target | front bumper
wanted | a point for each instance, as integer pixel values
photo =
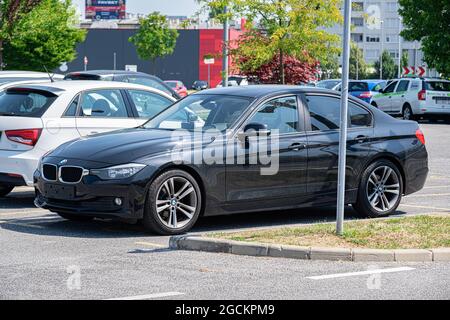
(96, 197)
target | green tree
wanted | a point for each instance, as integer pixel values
(428, 21)
(154, 39)
(44, 38)
(11, 12)
(389, 66)
(405, 59)
(283, 28)
(358, 66)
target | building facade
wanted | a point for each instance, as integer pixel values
(376, 26)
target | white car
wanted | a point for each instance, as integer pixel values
(415, 97)
(37, 118)
(26, 76)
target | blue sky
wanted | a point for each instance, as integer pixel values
(169, 7)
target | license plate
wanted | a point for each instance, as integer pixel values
(56, 191)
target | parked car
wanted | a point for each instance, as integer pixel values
(178, 87)
(364, 89)
(231, 83)
(124, 76)
(36, 118)
(235, 80)
(415, 97)
(135, 173)
(329, 84)
(25, 76)
(200, 85)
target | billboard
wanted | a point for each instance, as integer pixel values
(105, 9)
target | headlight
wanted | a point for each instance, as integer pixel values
(118, 172)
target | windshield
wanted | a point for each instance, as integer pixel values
(437, 85)
(201, 112)
(24, 103)
(328, 84)
(358, 86)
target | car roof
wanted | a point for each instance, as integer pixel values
(59, 87)
(28, 74)
(111, 72)
(258, 91)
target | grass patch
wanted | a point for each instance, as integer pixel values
(396, 233)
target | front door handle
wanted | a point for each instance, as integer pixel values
(297, 146)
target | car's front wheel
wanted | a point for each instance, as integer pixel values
(380, 190)
(173, 203)
(407, 113)
(5, 189)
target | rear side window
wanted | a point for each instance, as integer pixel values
(324, 112)
(25, 103)
(358, 86)
(359, 117)
(437, 85)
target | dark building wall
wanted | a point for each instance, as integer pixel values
(101, 44)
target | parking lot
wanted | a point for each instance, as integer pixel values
(41, 254)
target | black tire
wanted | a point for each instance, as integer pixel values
(5, 189)
(363, 205)
(74, 217)
(407, 113)
(152, 221)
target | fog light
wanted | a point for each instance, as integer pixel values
(118, 201)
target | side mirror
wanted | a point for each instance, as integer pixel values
(253, 130)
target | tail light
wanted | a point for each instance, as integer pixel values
(28, 137)
(420, 136)
(422, 95)
(365, 95)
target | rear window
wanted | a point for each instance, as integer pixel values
(437, 85)
(25, 103)
(358, 86)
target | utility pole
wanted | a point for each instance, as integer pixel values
(382, 49)
(343, 122)
(400, 54)
(225, 49)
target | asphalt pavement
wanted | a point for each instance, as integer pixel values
(45, 257)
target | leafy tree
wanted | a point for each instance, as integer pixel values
(154, 39)
(44, 38)
(405, 59)
(11, 12)
(294, 28)
(358, 66)
(295, 71)
(428, 21)
(389, 67)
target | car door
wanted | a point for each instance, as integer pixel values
(384, 99)
(147, 104)
(398, 98)
(103, 110)
(322, 125)
(281, 182)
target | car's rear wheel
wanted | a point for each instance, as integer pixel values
(173, 203)
(74, 217)
(407, 113)
(5, 189)
(380, 190)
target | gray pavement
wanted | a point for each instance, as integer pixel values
(44, 257)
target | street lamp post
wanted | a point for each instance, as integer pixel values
(225, 49)
(382, 49)
(400, 54)
(343, 121)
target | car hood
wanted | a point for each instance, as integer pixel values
(119, 147)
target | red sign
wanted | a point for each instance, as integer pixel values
(105, 9)
(419, 71)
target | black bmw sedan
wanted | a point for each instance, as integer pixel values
(231, 150)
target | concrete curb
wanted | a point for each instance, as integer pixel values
(307, 253)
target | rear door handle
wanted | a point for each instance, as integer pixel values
(362, 138)
(297, 146)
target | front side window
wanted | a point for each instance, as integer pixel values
(25, 103)
(103, 104)
(148, 104)
(324, 112)
(279, 114)
(201, 112)
(390, 88)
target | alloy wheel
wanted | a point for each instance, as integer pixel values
(407, 113)
(383, 188)
(176, 202)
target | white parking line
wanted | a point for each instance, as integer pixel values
(360, 273)
(150, 296)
